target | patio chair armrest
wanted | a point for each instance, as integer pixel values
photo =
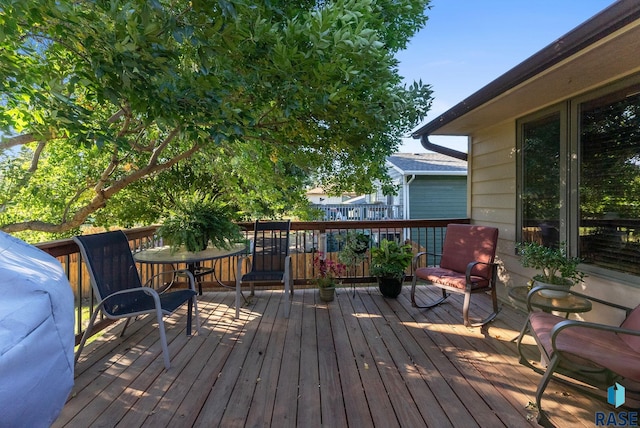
(534, 290)
(190, 276)
(563, 325)
(473, 264)
(414, 262)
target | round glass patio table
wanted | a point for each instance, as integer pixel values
(165, 255)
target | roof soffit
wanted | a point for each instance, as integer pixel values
(606, 60)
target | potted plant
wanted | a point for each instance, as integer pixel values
(556, 267)
(327, 272)
(198, 222)
(388, 264)
(354, 248)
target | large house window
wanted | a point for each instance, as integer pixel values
(540, 178)
(609, 147)
(579, 177)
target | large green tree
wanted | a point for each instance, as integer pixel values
(105, 102)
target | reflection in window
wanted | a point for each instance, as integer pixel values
(610, 181)
(540, 190)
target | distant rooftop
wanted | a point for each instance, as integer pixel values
(427, 164)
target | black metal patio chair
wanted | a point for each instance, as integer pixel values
(270, 260)
(119, 290)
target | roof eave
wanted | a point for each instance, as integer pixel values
(601, 25)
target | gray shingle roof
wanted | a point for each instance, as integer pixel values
(427, 163)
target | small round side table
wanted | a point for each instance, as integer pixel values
(569, 305)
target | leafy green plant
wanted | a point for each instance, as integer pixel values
(197, 222)
(556, 266)
(390, 259)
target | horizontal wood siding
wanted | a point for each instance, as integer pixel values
(438, 197)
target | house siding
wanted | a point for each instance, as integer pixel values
(492, 182)
(397, 178)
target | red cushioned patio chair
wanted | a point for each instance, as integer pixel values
(466, 266)
(599, 355)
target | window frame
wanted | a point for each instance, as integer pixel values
(569, 220)
(561, 110)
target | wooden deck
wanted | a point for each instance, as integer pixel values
(359, 361)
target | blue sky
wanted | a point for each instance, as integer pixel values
(468, 43)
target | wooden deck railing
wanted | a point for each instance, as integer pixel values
(306, 239)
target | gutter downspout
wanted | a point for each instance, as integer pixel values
(424, 140)
(405, 195)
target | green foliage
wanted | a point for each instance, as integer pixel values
(390, 259)
(196, 222)
(556, 266)
(353, 248)
(100, 98)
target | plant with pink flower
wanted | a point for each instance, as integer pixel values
(327, 271)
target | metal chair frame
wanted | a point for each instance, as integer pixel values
(270, 261)
(120, 294)
(470, 276)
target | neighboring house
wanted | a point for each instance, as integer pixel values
(554, 153)
(319, 196)
(431, 185)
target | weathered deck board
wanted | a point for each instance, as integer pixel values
(361, 360)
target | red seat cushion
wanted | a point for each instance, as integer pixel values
(587, 346)
(450, 278)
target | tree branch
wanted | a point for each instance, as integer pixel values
(100, 198)
(36, 156)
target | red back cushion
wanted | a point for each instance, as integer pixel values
(464, 243)
(632, 322)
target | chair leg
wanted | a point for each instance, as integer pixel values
(126, 324)
(467, 304)
(86, 333)
(196, 314)
(431, 305)
(189, 308)
(238, 287)
(287, 299)
(548, 374)
(163, 338)
(288, 286)
(465, 309)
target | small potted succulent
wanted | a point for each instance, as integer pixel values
(556, 267)
(388, 264)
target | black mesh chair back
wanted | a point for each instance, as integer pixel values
(270, 259)
(119, 290)
(270, 250)
(112, 269)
